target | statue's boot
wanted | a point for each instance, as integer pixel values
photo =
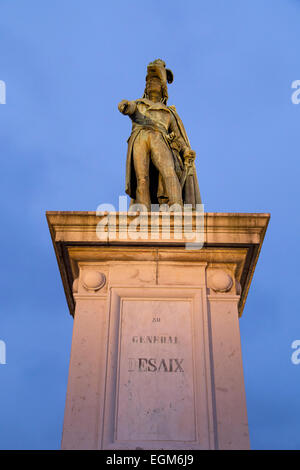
(173, 189)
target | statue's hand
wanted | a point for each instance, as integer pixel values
(122, 106)
(189, 157)
(126, 107)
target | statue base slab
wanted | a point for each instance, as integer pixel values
(156, 357)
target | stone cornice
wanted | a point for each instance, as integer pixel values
(234, 238)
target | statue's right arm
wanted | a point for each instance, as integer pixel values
(127, 107)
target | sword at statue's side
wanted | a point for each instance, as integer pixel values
(189, 159)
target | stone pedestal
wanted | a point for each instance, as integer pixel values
(156, 357)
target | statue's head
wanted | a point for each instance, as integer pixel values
(156, 81)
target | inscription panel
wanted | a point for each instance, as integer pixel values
(155, 399)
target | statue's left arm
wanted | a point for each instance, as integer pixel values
(188, 178)
(183, 146)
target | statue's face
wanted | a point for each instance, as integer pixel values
(154, 89)
(156, 81)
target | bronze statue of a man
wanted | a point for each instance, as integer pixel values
(160, 165)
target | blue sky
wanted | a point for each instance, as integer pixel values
(66, 65)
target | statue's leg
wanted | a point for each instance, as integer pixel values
(141, 160)
(162, 158)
